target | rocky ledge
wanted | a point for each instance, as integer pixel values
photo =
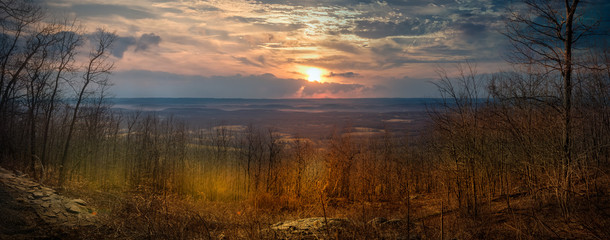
(50, 207)
(309, 228)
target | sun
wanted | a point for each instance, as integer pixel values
(314, 74)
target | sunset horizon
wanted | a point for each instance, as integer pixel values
(361, 49)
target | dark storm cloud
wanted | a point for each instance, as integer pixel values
(105, 10)
(147, 40)
(121, 44)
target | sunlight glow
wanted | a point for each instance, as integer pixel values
(314, 74)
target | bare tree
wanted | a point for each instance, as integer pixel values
(274, 149)
(20, 42)
(301, 149)
(66, 50)
(95, 72)
(546, 33)
(36, 76)
(252, 152)
(18, 20)
(459, 121)
(342, 154)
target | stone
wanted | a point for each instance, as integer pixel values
(79, 202)
(72, 207)
(309, 227)
(38, 194)
(45, 202)
(49, 215)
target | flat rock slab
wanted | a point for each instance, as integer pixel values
(308, 228)
(38, 194)
(72, 207)
(80, 202)
(52, 208)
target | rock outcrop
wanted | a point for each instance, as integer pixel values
(50, 207)
(341, 228)
(309, 228)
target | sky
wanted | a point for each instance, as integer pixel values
(271, 49)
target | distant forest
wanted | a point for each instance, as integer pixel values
(540, 131)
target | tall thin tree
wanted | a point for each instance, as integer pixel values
(96, 71)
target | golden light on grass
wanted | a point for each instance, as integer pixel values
(314, 74)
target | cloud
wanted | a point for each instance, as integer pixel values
(121, 44)
(352, 41)
(147, 40)
(472, 29)
(105, 10)
(244, 19)
(280, 27)
(140, 83)
(345, 74)
(204, 31)
(342, 46)
(329, 89)
(408, 27)
(247, 61)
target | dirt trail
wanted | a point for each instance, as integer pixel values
(31, 211)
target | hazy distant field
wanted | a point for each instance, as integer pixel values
(306, 117)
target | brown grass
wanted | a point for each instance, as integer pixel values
(143, 214)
